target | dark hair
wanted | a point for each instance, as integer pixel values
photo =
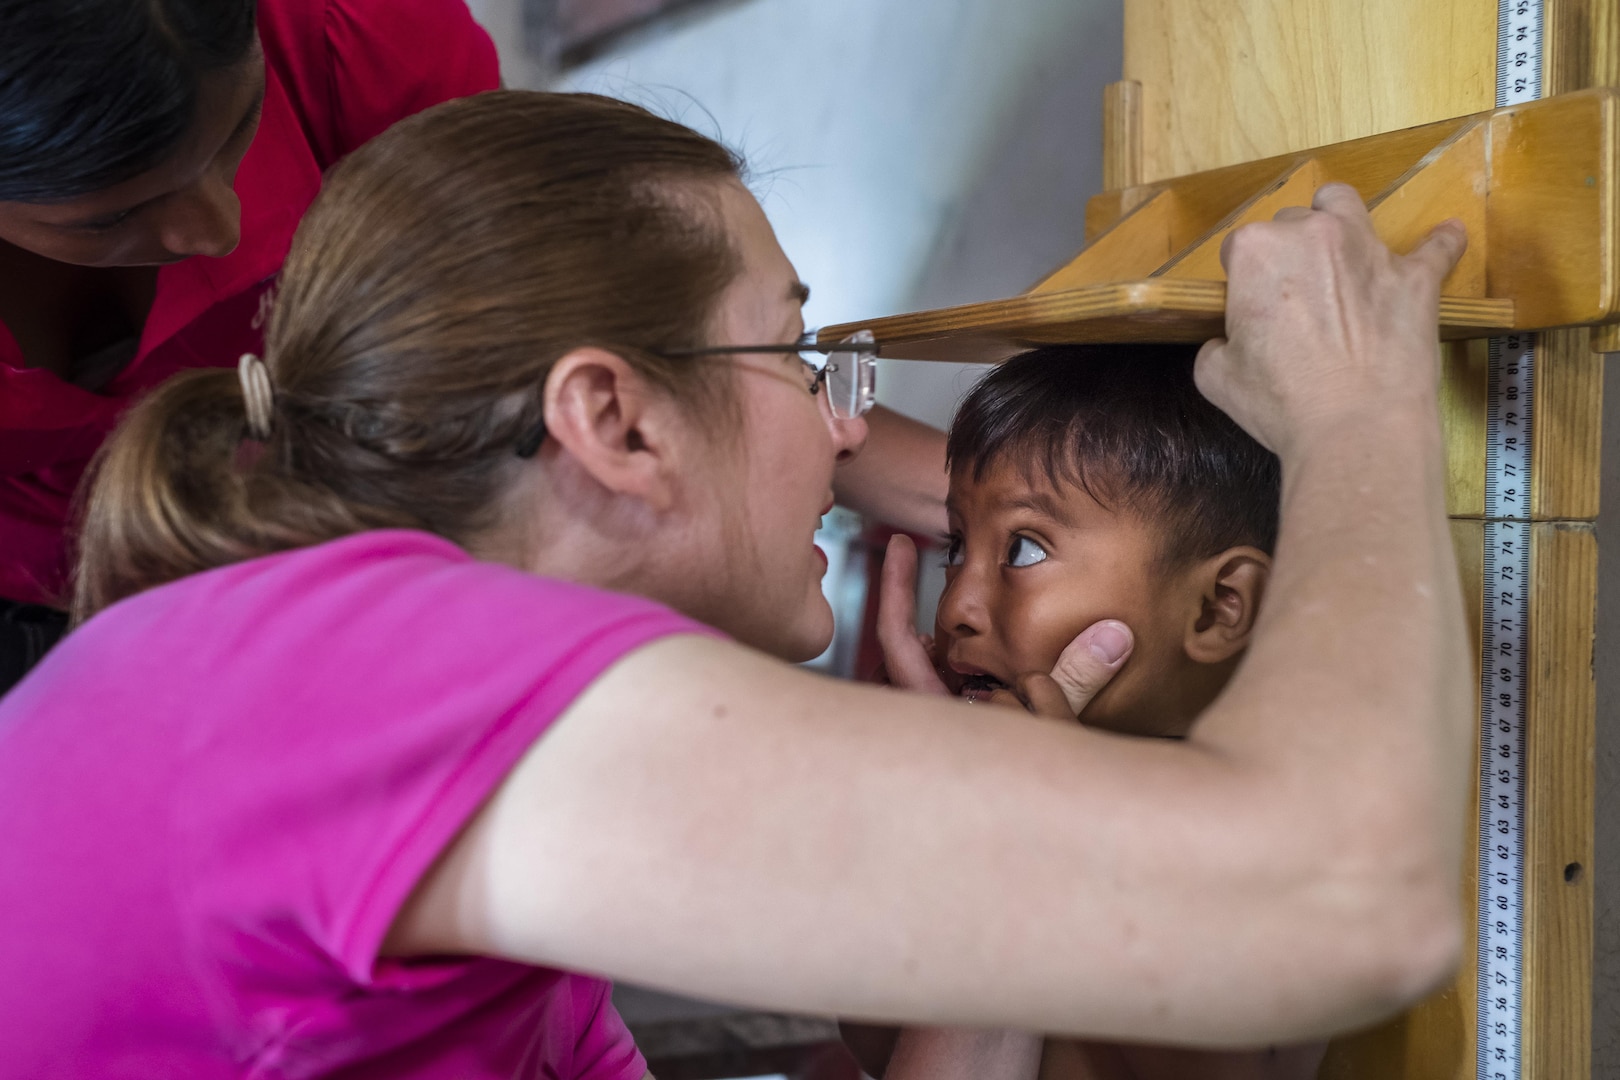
(96, 92)
(442, 271)
(1126, 424)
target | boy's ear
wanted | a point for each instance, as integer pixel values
(1229, 587)
(601, 412)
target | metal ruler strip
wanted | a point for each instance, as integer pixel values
(1505, 641)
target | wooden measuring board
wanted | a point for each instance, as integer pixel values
(1329, 70)
(1537, 184)
(1231, 109)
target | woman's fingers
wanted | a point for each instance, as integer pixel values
(1441, 249)
(1090, 661)
(1081, 671)
(1044, 697)
(1323, 322)
(904, 656)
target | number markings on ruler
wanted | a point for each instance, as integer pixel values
(1504, 642)
(1506, 635)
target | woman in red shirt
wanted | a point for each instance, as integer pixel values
(134, 137)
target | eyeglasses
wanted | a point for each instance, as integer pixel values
(848, 370)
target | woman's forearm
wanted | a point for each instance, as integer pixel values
(963, 1054)
(899, 478)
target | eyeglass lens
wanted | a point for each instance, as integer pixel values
(852, 377)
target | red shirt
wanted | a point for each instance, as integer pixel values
(337, 72)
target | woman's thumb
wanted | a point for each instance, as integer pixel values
(1091, 660)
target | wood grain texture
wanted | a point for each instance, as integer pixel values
(1428, 193)
(1566, 457)
(1133, 247)
(1157, 309)
(1122, 135)
(1435, 1040)
(1551, 220)
(1530, 181)
(1464, 378)
(1229, 81)
(1560, 747)
(1202, 260)
(1225, 81)
(1606, 338)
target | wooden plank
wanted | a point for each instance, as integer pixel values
(1538, 185)
(1566, 457)
(1429, 193)
(1560, 748)
(1202, 260)
(1122, 135)
(1435, 1040)
(1551, 221)
(1369, 165)
(1225, 81)
(1133, 247)
(1463, 385)
(1157, 309)
(1606, 338)
(1549, 166)
(1191, 210)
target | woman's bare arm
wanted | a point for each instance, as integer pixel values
(706, 819)
(899, 478)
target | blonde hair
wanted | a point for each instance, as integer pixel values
(442, 271)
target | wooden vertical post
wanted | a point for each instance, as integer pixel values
(1122, 135)
(1227, 81)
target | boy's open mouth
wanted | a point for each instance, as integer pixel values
(981, 687)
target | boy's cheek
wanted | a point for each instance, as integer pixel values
(940, 655)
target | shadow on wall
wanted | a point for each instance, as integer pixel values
(1024, 213)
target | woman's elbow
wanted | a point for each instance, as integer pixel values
(1407, 944)
(1423, 946)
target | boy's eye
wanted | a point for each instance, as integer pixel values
(953, 550)
(1025, 552)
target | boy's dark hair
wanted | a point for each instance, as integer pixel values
(1127, 425)
(96, 92)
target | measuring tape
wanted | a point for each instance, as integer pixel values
(1505, 642)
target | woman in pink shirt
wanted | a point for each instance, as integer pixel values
(441, 653)
(155, 158)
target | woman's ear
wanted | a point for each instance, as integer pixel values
(1229, 587)
(601, 412)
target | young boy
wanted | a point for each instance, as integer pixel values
(1096, 482)
(1093, 482)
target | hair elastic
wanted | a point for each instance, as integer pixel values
(257, 396)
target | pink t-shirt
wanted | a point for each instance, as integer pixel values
(215, 797)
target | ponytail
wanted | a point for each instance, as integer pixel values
(179, 490)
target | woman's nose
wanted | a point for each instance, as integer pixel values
(205, 219)
(849, 436)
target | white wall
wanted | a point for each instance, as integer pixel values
(909, 152)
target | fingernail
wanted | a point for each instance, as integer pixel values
(1109, 641)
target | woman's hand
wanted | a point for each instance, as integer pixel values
(907, 655)
(1081, 671)
(1324, 322)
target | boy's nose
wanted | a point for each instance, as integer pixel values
(961, 610)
